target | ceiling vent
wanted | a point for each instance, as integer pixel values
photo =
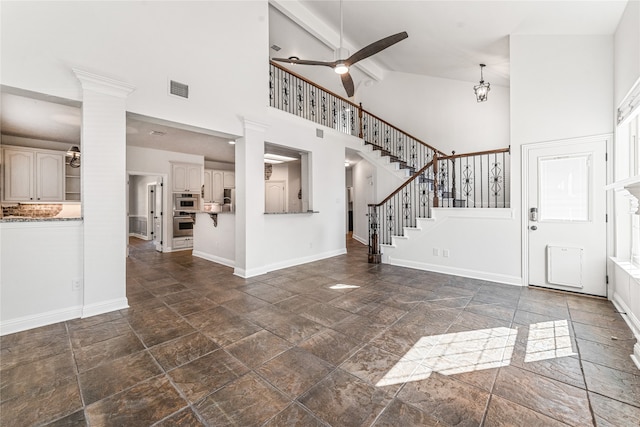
(275, 47)
(178, 89)
(319, 133)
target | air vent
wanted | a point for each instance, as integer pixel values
(275, 47)
(179, 89)
(319, 133)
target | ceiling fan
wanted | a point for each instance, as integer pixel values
(341, 66)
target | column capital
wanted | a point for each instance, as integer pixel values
(255, 125)
(102, 84)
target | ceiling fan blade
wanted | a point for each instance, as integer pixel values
(305, 62)
(347, 82)
(376, 47)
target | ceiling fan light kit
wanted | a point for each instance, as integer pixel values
(482, 89)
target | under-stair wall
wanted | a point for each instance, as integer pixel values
(463, 242)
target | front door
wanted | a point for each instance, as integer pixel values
(566, 215)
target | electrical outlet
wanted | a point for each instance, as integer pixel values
(445, 253)
(76, 284)
(436, 252)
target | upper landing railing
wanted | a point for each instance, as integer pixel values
(294, 94)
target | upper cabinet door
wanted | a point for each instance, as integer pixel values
(194, 176)
(19, 182)
(186, 178)
(229, 179)
(217, 188)
(207, 195)
(49, 177)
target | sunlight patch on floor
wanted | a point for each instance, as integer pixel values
(548, 340)
(343, 286)
(453, 353)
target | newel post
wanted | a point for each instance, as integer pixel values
(436, 200)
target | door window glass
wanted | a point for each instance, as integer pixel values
(564, 188)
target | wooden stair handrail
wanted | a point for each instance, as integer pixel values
(401, 131)
(407, 182)
(477, 153)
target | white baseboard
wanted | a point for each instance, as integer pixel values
(104, 307)
(288, 263)
(360, 239)
(455, 271)
(139, 236)
(37, 320)
(216, 259)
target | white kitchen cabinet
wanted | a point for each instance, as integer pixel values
(33, 175)
(186, 178)
(229, 179)
(213, 185)
(180, 243)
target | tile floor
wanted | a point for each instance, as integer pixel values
(336, 342)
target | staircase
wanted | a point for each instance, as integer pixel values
(432, 178)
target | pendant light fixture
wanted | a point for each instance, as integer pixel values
(74, 153)
(482, 89)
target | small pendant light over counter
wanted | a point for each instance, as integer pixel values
(482, 89)
(74, 154)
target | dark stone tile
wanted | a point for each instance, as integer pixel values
(205, 375)
(245, 304)
(341, 396)
(612, 413)
(295, 415)
(544, 308)
(143, 404)
(592, 304)
(179, 297)
(184, 418)
(76, 324)
(614, 357)
(256, 349)
(372, 364)
(173, 288)
(76, 419)
(610, 337)
(504, 413)
(164, 331)
(49, 405)
(331, 346)
(182, 350)
(268, 293)
(92, 355)
(381, 313)
(399, 413)
(146, 318)
(325, 314)
(362, 328)
(185, 308)
(296, 303)
(295, 371)
(99, 332)
(294, 328)
(609, 319)
(446, 399)
(556, 399)
(473, 321)
(32, 345)
(248, 401)
(400, 338)
(117, 375)
(497, 311)
(612, 383)
(38, 377)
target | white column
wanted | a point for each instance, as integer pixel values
(103, 147)
(250, 256)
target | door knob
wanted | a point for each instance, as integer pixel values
(534, 227)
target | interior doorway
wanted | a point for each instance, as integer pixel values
(145, 209)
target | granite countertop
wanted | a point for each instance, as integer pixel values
(31, 219)
(290, 213)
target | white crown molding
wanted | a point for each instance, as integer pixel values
(106, 85)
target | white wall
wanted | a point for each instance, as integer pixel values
(145, 44)
(627, 51)
(39, 262)
(216, 244)
(364, 180)
(296, 238)
(441, 112)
